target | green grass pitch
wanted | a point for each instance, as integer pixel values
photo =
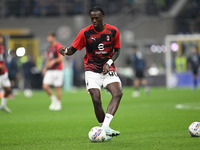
(148, 122)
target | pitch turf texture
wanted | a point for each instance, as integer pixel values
(147, 122)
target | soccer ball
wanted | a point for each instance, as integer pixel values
(194, 129)
(97, 134)
(28, 93)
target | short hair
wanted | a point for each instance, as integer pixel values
(51, 33)
(97, 8)
(1, 35)
(134, 46)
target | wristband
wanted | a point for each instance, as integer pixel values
(66, 50)
(109, 62)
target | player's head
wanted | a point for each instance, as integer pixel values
(1, 38)
(134, 48)
(51, 37)
(195, 49)
(97, 15)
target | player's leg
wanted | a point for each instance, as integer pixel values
(99, 112)
(5, 82)
(47, 81)
(5, 99)
(116, 92)
(113, 84)
(57, 82)
(96, 99)
(58, 98)
(144, 84)
(94, 82)
(136, 84)
(195, 72)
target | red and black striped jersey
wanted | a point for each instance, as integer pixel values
(99, 46)
(3, 68)
(52, 53)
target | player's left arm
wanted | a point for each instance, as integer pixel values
(116, 52)
(55, 60)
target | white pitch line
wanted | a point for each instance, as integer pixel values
(193, 106)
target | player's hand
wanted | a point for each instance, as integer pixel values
(105, 68)
(62, 50)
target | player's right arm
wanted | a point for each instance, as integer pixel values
(67, 51)
(78, 44)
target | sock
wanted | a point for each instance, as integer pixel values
(3, 102)
(53, 98)
(100, 124)
(107, 120)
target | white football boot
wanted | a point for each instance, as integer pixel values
(6, 109)
(108, 138)
(58, 106)
(111, 132)
(52, 105)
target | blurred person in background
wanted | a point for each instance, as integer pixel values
(12, 66)
(138, 65)
(27, 72)
(53, 72)
(194, 63)
(4, 80)
(181, 63)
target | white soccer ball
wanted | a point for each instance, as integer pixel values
(194, 129)
(97, 134)
(28, 93)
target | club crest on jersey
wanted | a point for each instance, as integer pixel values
(108, 38)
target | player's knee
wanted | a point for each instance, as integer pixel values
(8, 91)
(118, 95)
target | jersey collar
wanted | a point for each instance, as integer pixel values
(101, 31)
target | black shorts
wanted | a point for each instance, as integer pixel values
(195, 71)
(139, 74)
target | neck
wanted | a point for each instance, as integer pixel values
(100, 28)
(54, 42)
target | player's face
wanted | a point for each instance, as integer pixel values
(195, 50)
(97, 19)
(1, 39)
(50, 39)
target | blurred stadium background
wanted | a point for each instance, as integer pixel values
(161, 29)
(145, 23)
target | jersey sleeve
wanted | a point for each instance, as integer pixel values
(80, 41)
(57, 47)
(117, 43)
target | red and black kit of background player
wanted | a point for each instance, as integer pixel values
(3, 68)
(99, 46)
(53, 53)
(5, 82)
